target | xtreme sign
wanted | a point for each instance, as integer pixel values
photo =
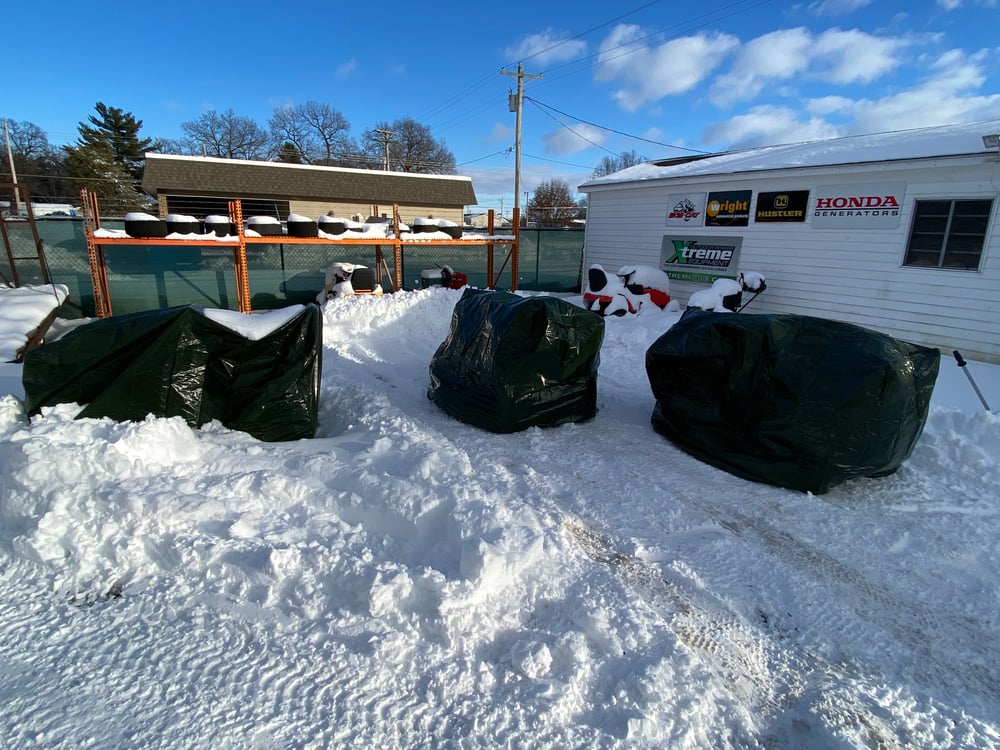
(700, 258)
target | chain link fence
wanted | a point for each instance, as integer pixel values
(149, 277)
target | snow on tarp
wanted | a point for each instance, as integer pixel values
(512, 362)
(262, 379)
(791, 400)
(24, 309)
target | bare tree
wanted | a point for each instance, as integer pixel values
(624, 160)
(317, 131)
(36, 162)
(184, 147)
(552, 205)
(411, 148)
(229, 135)
(27, 139)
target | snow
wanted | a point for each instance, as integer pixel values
(253, 327)
(406, 580)
(948, 140)
(713, 297)
(22, 310)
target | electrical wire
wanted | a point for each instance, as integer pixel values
(542, 107)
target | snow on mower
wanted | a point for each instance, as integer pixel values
(625, 293)
(346, 280)
(726, 295)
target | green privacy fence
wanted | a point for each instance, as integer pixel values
(149, 277)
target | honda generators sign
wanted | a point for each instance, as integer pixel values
(700, 258)
(858, 206)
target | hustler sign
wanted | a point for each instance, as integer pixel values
(858, 206)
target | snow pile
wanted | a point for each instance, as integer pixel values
(23, 309)
(406, 580)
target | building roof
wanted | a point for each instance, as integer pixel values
(211, 176)
(922, 143)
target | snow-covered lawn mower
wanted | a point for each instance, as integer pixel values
(625, 292)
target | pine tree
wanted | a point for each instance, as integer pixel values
(109, 157)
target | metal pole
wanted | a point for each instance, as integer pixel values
(518, 106)
(16, 206)
(962, 363)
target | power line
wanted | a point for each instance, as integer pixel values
(612, 130)
(563, 163)
(591, 29)
(578, 135)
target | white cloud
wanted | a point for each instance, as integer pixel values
(837, 7)
(346, 68)
(495, 186)
(767, 125)
(567, 141)
(648, 73)
(501, 133)
(956, 4)
(947, 95)
(835, 56)
(546, 47)
(774, 56)
(854, 56)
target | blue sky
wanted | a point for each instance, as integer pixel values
(662, 78)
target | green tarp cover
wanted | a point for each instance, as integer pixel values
(512, 362)
(790, 400)
(177, 362)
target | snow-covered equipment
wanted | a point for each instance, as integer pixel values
(723, 295)
(219, 225)
(431, 277)
(512, 362)
(138, 224)
(647, 280)
(264, 226)
(790, 400)
(453, 279)
(180, 362)
(329, 224)
(605, 294)
(301, 226)
(348, 279)
(751, 281)
(964, 366)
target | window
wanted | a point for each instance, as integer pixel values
(948, 234)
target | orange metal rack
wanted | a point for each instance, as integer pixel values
(99, 274)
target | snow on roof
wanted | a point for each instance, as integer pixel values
(236, 163)
(922, 143)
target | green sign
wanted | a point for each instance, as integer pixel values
(699, 257)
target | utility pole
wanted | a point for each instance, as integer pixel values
(386, 138)
(515, 103)
(15, 204)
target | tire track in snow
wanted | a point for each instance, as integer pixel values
(908, 621)
(777, 679)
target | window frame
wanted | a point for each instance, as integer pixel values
(947, 235)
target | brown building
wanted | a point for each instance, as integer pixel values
(200, 185)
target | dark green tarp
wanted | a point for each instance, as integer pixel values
(177, 362)
(790, 400)
(512, 362)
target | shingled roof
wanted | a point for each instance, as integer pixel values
(210, 176)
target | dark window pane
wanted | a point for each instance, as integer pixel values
(958, 226)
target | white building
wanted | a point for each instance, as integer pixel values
(897, 232)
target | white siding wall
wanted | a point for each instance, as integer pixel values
(854, 276)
